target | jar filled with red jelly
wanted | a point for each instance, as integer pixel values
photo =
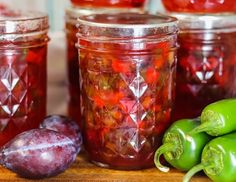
(72, 62)
(206, 68)
(23, 53)
(127, 65)
(200, 6)
(110, 3)
(72, 14)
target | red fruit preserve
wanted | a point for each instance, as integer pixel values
(23, 52)
(110, 3)
(72, 14)
(206, 67)
(127, 66)
(200, 6)
(72, 64)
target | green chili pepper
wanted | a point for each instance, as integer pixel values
(218, 160)
(218, 118)
(181, 150)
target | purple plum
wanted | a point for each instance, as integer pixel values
(38, 153)
(66, 126)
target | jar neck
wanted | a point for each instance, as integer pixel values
(128, 46)
(206, 36)
(74, 12)
(33, 39)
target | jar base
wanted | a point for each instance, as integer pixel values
(100, 164)
(123, 168)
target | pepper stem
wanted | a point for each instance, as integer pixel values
(167, 147)
(204, 127)
(192, 171)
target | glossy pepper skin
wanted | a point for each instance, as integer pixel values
(181, 150)
(218, 118)
(218, 160)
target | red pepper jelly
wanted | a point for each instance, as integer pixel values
(72, 14)
(200, 6)
(206, 69)
(110, 3)
(72, 62)
(127, 66)
(23, 52)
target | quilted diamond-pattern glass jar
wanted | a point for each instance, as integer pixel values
(127, 65)
(206, 67)
(23, 51)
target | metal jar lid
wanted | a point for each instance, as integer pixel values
(126, 25)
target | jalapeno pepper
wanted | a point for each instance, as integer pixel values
(218, 118)
(181, 150)
(218, 160)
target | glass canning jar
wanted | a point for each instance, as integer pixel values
(23, 52)
(200, 6)
(206, 68)
(127, 65)
(72, 14)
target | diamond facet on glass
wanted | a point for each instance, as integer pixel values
(138, 113)
(138, 86)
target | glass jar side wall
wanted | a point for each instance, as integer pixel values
(127, 101)
(23, 89)
(73, 73)
(205, 72)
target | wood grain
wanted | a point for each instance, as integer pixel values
(82, 170)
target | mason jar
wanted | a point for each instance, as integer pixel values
(127, 66)
(23, 53)
(206, 67)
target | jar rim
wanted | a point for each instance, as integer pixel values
(72, 13)
(130, 20)
(75, 12)
(219, 22)
(21, 22)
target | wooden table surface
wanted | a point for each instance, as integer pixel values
(82, 170)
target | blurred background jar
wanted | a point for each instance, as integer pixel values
(206, 68)
(127, 65)
(86, 7)
(23, 54)
(200, 6)
(110, 3)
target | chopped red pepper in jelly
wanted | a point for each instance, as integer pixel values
(122, 120)
(200, 6)
(110, 3)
